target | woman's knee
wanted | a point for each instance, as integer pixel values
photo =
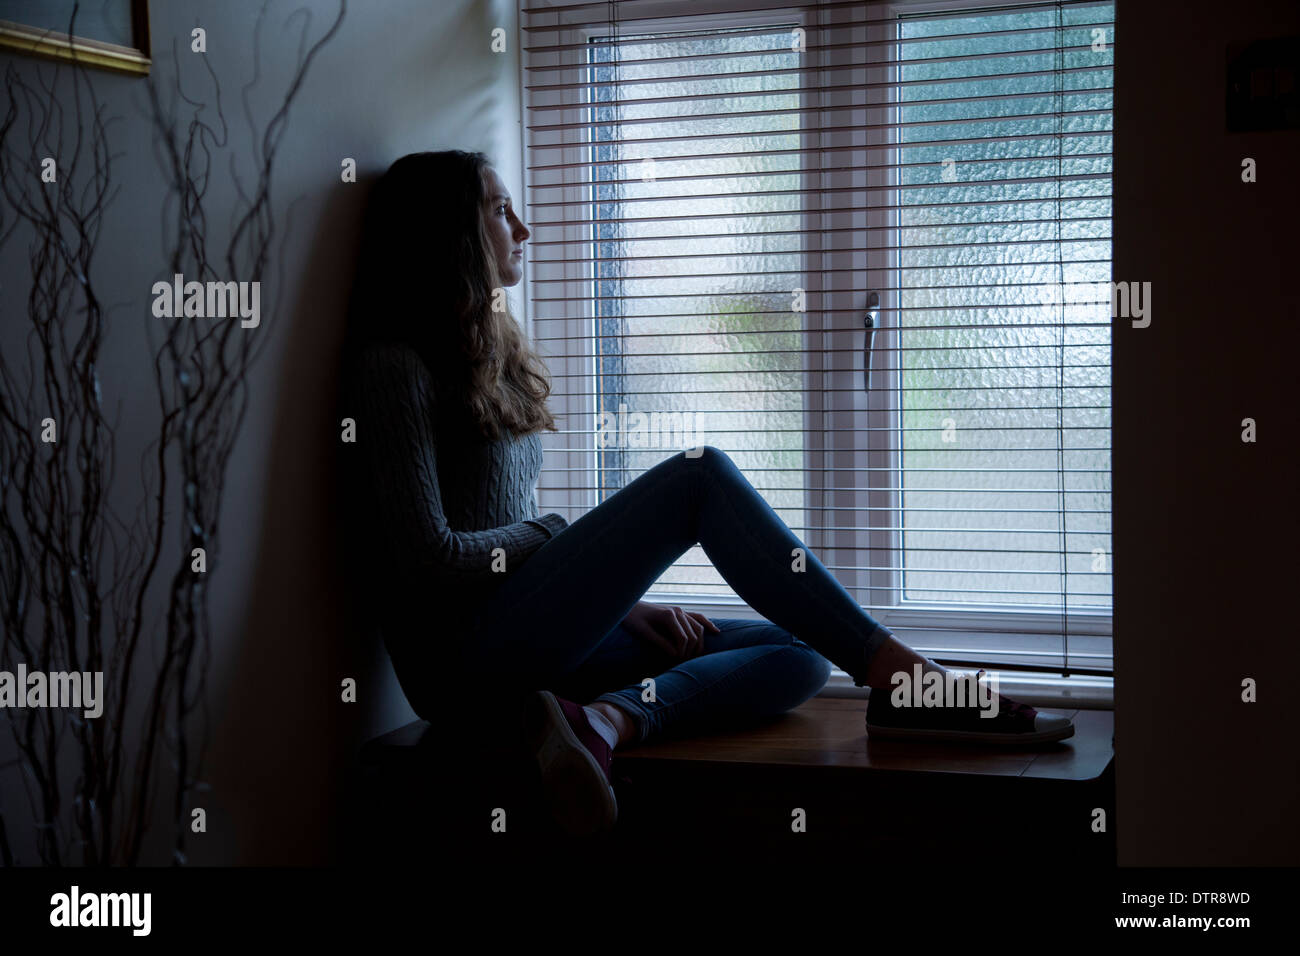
(815, 667)
(802, 672)
(708, 456)
(715, 463)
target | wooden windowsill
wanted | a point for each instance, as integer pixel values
(830, 732)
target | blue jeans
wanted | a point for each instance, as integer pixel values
(555, 622)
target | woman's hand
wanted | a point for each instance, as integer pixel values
(679, 633)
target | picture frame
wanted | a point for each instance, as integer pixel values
(110, 34)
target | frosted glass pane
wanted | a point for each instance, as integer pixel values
(1006, 443)
(722, 351)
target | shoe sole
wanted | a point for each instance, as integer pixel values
(581, 800)
(971, 736)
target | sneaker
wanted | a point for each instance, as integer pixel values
(1015, 725)
(574, 762)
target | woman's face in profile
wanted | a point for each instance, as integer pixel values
(504, 229)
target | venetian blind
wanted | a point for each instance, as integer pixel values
(866, 253)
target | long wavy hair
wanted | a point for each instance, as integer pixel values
(425, 278)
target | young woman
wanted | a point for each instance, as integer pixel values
(448, 401)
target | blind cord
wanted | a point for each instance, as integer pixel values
(1060, 365)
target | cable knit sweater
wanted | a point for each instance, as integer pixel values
(435, 500)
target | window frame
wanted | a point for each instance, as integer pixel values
(1008, 632)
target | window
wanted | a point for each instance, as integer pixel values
(722, 193)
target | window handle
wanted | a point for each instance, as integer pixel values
(870, 322)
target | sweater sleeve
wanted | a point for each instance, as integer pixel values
(393, 400)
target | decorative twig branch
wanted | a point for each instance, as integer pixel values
(57, 488)
(201, 377)
(55, 520)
